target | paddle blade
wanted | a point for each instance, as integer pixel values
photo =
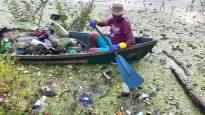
(128, 73)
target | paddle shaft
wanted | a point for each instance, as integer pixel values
(105, 38)
(110, 44)
(128, 73)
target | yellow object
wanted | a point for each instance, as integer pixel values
(123, 45)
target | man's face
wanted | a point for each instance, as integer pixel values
(116, 16)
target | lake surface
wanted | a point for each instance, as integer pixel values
(130, 5)
(151, 4)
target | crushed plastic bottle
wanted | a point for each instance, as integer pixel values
(86, 100)
(140, 113)
(39, 105)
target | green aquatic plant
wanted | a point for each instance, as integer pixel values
(42, 6)
(21, 11)
(7, 72)
(2, 111)
(27, 10)
(16, 84)
(202, 2)
(79, 23)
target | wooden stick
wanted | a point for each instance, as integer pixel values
(195, 97)
(184, 80)
(106, 76)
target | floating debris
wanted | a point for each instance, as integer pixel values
(26, 72)
(191, 45)
(106, 75)
(121, 111)
(2, 99)
(164, 36)
(86, 100)
(128, 112)
(144, 96)
(148, 113)
(47, 91)
(39, 105)
(4, 88)
(140, 113)
(171, 98)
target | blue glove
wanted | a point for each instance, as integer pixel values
(93, 24)
(114, 48)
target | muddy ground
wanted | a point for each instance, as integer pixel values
(180, 33)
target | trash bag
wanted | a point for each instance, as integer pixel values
(40, 50)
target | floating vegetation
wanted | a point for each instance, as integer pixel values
(21, 85)
(80, 21)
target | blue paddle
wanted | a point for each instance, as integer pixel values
(128, 73)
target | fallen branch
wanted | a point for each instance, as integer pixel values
(41, 5)
(184, 80)
(195, 97)
(180, 64)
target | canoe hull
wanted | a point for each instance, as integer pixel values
(134, 53)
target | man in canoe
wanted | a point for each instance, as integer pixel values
(121, 34)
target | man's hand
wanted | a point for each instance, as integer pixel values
(93, 24)
(114, 48)
(94, 50)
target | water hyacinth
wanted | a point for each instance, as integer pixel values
(177, 25)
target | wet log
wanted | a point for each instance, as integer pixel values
(195, 97)
(178, 63)
(185, 81)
